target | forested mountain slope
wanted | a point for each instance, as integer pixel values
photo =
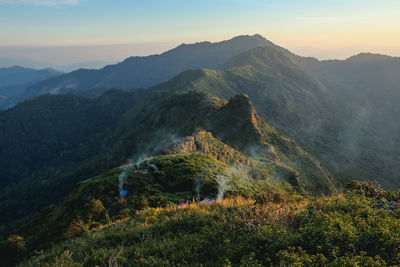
(47, 158)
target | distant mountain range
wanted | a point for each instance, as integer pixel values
(6, 62)
(14, 80)
(142, 72)
(19, 75)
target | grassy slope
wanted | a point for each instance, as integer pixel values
(176, 181)
(337, 231)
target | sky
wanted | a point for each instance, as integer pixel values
(68, 31)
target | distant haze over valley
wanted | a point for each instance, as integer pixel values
(68, 58)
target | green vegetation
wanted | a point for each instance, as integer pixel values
(178, 178)
(72, 147)
(190, 169)
(49, 144)
(280, 230)
(250, 155)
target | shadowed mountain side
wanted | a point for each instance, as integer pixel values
(50, 143)
(369, 84)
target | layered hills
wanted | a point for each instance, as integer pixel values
(142, 72)
(239, 118)
(14, 80)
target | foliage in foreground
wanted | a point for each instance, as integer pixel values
(359, 228)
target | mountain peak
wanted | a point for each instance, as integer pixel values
(258, 36)
(237, 122)
(254, 37)
(241, 101)
(262, 58)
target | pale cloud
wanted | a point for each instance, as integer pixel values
(41, 2)
(331, 19)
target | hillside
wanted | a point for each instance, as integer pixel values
(49, 144)
(274, 229)
(372, 77)
(236, 124)
(47, 159)
(369, 84)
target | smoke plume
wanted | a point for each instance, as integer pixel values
(197, 187)
(222, 180)
(124, 170)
